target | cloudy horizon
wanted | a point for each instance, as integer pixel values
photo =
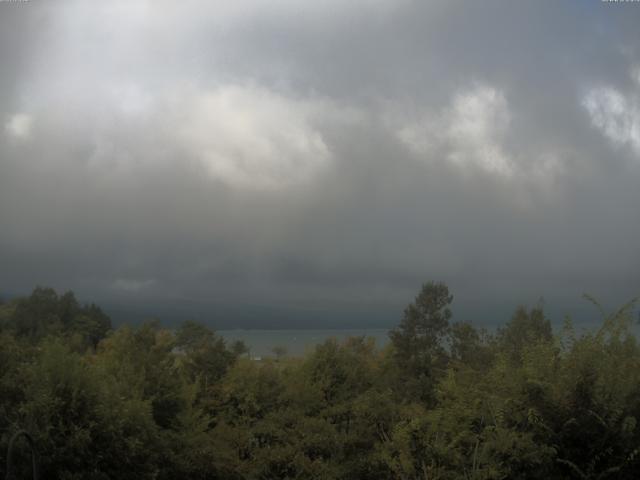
(302, 163)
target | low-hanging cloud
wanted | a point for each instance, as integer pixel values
(616, 114)
(19, 126)
(470, 130)
(251, 137)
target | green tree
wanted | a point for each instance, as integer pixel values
(45, 313)
(470, 346)
(205, 356)
(279, 351)
(524, 329)
(419, 339)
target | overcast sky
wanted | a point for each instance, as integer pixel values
(261, 163)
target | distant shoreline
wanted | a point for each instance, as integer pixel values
(261, 342)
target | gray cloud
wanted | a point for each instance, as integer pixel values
(291, 163)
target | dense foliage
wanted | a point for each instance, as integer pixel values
(442, 401)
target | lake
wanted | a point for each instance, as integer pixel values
(297, 342)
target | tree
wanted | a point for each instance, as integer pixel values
(470, 346)
(92, 324)
(525, 328)
(419, 339)
(279, 351)
(37, 315)
(239, 348)
(205, 357)
(45, 313)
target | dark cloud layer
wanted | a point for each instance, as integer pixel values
(276, 163)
